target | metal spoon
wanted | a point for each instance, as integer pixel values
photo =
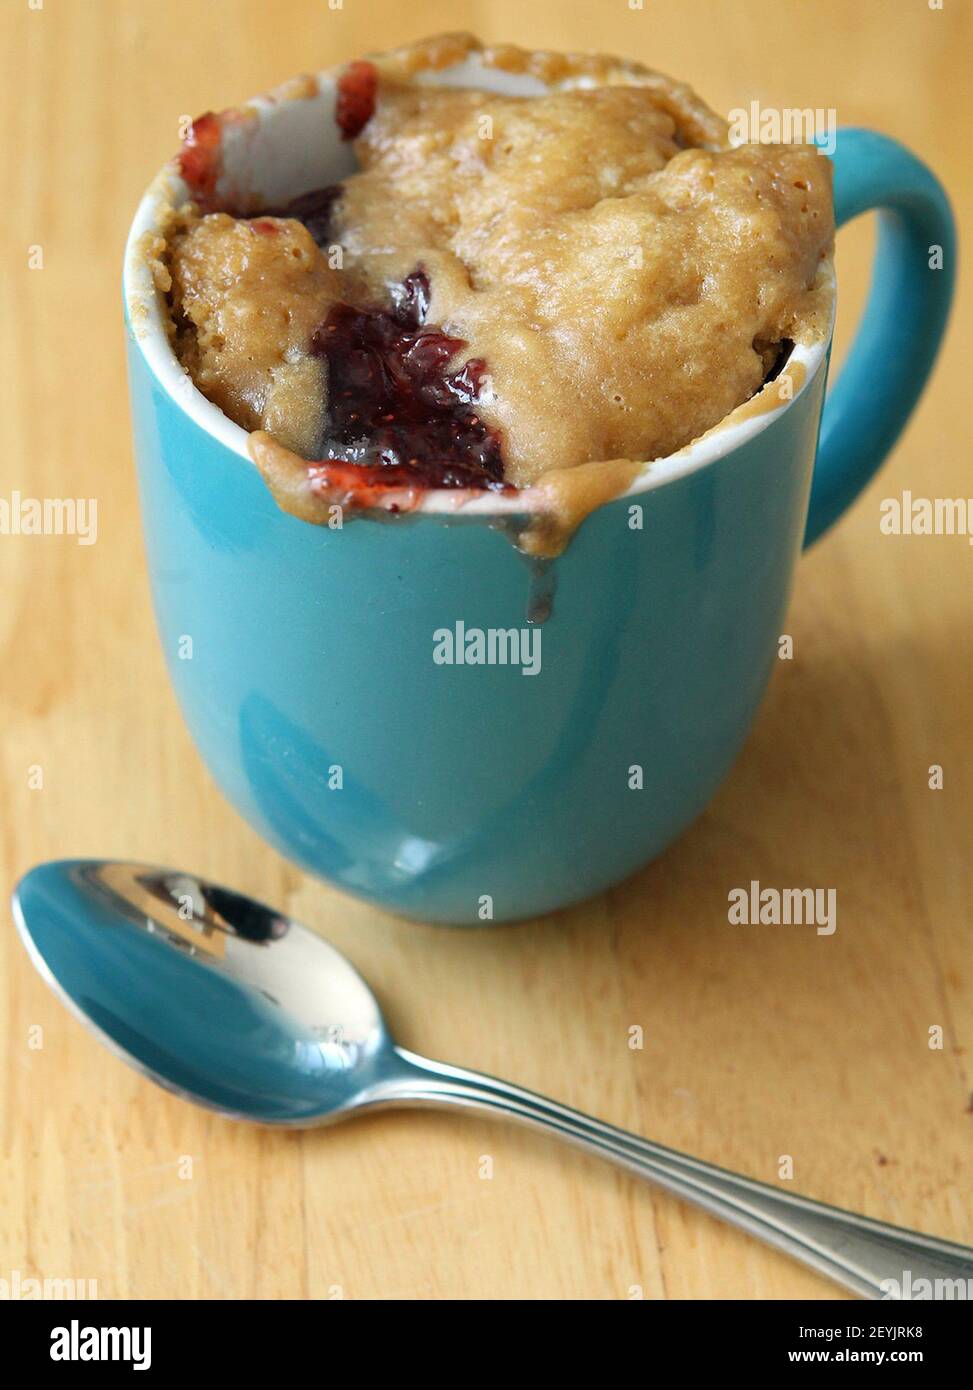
(229, 1004)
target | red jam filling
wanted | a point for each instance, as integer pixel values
(201, 158)
(393, 405)
(397, 417)
(355, 104)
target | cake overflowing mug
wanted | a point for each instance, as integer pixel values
(426, 716)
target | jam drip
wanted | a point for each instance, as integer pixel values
(355, 102)
(392, 404)
(201, 159)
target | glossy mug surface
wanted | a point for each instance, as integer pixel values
(303, 657)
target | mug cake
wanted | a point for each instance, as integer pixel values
(535, 294)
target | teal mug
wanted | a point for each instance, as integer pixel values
(308, 662)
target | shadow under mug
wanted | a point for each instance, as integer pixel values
(303, 657)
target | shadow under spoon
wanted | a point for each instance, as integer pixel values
(229, 1004)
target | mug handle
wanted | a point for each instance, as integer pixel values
(904, 320)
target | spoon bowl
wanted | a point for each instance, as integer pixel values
(211, 994)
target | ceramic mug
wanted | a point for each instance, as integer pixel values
(304, 658)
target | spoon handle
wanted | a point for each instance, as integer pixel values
(869, 1257)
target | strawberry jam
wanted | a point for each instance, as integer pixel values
(355, 104)
(394, 405)
(201, 158)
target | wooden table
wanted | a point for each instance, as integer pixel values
(758, 1042)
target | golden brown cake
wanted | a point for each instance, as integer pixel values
(509, 285)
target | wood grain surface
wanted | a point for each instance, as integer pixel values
(759, 1042)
